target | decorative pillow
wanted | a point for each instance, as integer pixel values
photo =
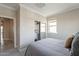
(69, 40)
(75, 45)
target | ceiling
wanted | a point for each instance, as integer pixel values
(46, 9)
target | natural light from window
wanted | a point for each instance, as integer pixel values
(43, 27)
(1, 36)
(52, 26)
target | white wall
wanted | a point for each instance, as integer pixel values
(6, 12)
(17, 41)
(27, 19)
(67, 22)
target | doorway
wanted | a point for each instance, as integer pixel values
(37, 31)
(6, 33)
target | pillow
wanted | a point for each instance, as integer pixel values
(75, 45)
(69, 40)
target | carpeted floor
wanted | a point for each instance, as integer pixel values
(11, 52)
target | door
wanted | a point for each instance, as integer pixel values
(7, 33)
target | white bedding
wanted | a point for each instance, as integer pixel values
(47, 47)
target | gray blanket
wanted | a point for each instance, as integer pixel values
(47, 47)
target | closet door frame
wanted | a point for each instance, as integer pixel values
(14, 28)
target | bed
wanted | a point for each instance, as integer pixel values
(47, 47)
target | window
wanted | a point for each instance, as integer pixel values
(43, 27)
(52, 26)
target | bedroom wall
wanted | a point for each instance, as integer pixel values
(6, 12)
(27, 19)
(18, 27)
(67, 22)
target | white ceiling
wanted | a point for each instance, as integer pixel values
(10, 5)
(46, 9)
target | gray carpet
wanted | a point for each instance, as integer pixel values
(11, 52)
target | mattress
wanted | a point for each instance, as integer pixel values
(47, 47)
